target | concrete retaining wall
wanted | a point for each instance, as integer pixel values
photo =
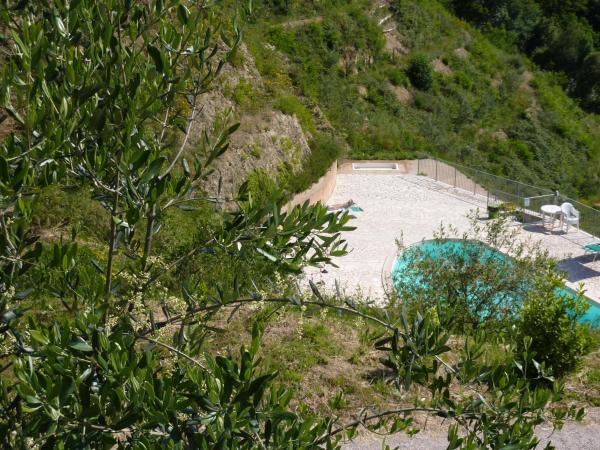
(319, 191)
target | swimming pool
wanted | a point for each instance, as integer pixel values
(406, 275)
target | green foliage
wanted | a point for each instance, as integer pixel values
(328, 62)
(557, 35)
(247, 96)
(563, 45)
(469, 280)
(397, 77)
(96, 385)
(57, 208)
(324, 150)
(476, 287)
(123, 364)
(588, 83)
(513, 387)
(270, 65)
(237, 59)
(524, 152)
(464, 80)
(125, 361)
(261, 186)
(593, 377)
(556, 338)
(291, 105)
(256, 151)
(420, 72)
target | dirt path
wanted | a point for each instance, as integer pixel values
(301, 22)
(584, 436)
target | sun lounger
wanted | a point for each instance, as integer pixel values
(349, 205)
(592, 249)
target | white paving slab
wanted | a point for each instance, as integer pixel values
(411, 208)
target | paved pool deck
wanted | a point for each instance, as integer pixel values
(411, 208)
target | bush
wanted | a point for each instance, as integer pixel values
(420, 72)
(56, 208)
(261, 186)
(463, 80)
(291, 105)
(424, 101)
(324, 151)
(557, 338)
(247, 96)
(523, 151)
(396, 76)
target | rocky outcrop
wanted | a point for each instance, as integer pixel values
(267, 139)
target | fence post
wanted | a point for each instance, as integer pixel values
(556, 194)
(418, 166)
(455, 177)
(436, 170)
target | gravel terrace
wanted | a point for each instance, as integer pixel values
(580, 436)
(412, 208)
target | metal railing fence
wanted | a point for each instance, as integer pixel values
(495, 190)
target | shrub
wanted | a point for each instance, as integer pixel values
(396, 76)
(269, 63)
(420, 72)
(247, 96)
(237, 59)
(291, 105)
(261, 186)
(56, 208)
(324, 150)
(464, 80)
(523, 151)
(423, 101)
(557, 338)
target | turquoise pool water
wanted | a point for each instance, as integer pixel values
(404, 275)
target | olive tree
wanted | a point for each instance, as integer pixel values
(103, 95)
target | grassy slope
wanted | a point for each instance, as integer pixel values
(493, 110)
(323, 356)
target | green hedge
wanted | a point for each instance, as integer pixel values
(324, 151)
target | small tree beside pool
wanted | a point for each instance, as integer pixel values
(472, 278)
(468, 278)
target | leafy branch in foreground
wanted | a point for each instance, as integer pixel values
(506, 399)
(102, 96)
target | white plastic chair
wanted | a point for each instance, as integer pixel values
(570, 215)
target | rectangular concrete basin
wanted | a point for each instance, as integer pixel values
(375, 166)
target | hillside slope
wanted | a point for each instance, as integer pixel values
(491, 109)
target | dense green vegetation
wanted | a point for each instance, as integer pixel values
(487, 106)
(561, 36)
